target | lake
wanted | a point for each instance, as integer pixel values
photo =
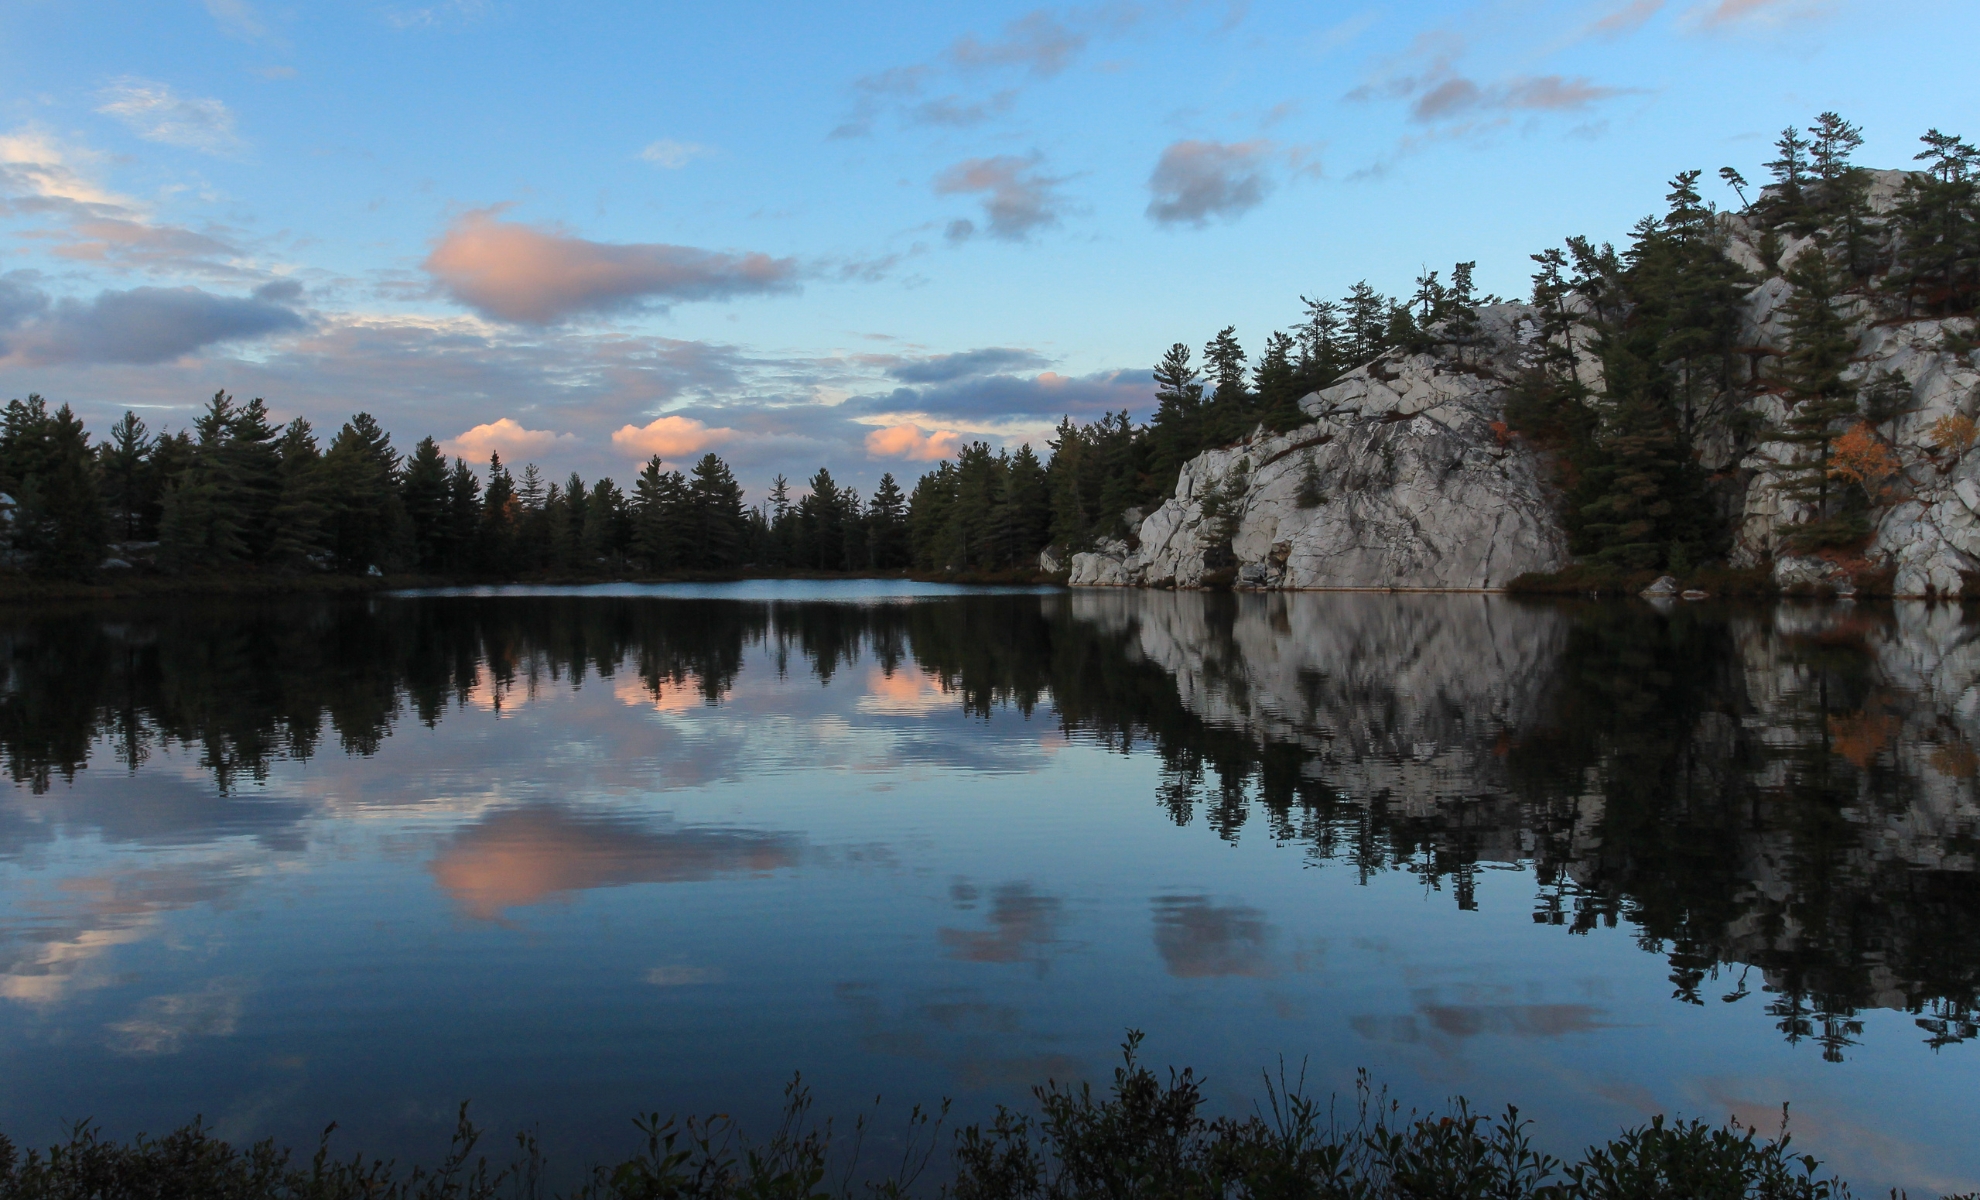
(574, 854)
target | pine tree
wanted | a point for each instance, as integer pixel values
(1276, 380)
(1227, 416)
(605, 524)
(500, 516)
(821, 515)
(302, 513)
(718, 514)
(463, 517)
(1320, 351)
(1819, 349)
(1788, 203)
(423, 495)
(886, 523)
(1176, 430)
(122, 459)
(660, 517)
(1841, 190)
(365, 525)
(60, 526)
(1366, 313)
(1023, 518)
(1938, 215)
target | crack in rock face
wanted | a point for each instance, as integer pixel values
(1415, 487)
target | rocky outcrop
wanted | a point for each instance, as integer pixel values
(1405, 478)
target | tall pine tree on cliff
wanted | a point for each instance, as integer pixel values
(1820, 401)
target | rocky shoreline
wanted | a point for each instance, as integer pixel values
(1407, 476)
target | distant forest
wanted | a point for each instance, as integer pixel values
(237, 493)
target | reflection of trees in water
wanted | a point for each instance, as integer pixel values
(1781, 793)
(1788, 792)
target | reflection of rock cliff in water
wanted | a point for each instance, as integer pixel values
(1408, 695)
(1787, 790)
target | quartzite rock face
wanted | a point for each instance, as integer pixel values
(1400, 481)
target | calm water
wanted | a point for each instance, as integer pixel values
(577, 855)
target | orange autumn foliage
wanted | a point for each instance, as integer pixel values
(1953, 433)
(1859, 737)
(1956, 760)
(1860, 456)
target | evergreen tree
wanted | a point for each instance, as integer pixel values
(716, 538)
(423, 493)
(604, 537)
(302, 512)
(1787, 205)
(1818, 354)
(1023, 519)
(1276, 380)
(1175, 433)
(1365, 313)
(123, 461)
(59, 523)
(660, 517)
(1227, 417)
(887, 526)
(1321, 355)
(463, 517)
(365, 526)
(821, 516)
(1938, 216)
(500, 517)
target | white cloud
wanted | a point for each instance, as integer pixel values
(913, 443)
(156, 113)
(673, 155)
(504, 436)
(670, 437)
(34, 167)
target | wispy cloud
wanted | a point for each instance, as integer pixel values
(157, 113)
(1040, 42)
(237, 18)
(1457, 96)
(1725, 15)
(673, 155)
(38, 174)
(1428, 78)
(1625, 20)
(533, 276)
(140, 325)
(1017, 199)
(433, 15)
(1196, 180)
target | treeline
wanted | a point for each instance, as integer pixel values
(1660, 317)
(996, 511)
(236, 492)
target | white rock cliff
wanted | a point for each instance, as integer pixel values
(1400, 481)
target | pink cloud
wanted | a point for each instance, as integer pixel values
(1722, 13)
(507, 437)
(911, 442)
(670, 437)
(530, 276)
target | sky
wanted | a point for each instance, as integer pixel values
(849, 235)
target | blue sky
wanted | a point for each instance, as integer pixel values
(842, 234)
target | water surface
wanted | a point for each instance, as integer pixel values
(577, 853)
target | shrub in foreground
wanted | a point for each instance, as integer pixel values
(1143, 1138)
